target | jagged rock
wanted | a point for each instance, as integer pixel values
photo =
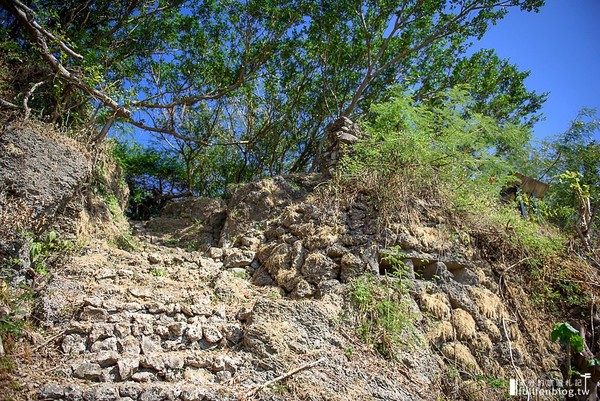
(101, 331)
(235, 257)
(93, 314)
(319, 267)
(193, 393)
(174, 361)
(299, 325)
(157, 394)
(196, 361)
(194, 333)
(243, 314)
(127, 367)
(74, 344)
(150, 344)
(88, 371)
(162, 331)
(107, 358)
(351, 265)
(131, 390)
(254, 203)
(177, 328)
(51, 391)
(144, 377)
(96, 302)
(108, 344)
(106, 392)
(233, 333)
(72, 392)
(129, 345)
(212, 334)
(154, 259)
(223, 376)
(303, 290)
(153, 361)
(215, 253)
(141, 292)
(437, 271)
(43, 171)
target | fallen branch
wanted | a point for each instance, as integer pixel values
(53, 338)
(258, 388)
(8, 104)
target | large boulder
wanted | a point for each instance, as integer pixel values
(40, 171)
(42, 176)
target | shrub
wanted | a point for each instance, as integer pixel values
(444, 152)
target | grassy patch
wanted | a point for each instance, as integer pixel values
(381, 310)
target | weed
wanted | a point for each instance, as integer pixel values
(158, 272)
(494, 382)
(241, 274)
(172, 241)
(280, 388)
(47, 248)
(192, 246)
(126, 242)
(382, 310)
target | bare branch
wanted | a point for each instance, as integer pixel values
(8, 104)
(26, 99)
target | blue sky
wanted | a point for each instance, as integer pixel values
(560, 45)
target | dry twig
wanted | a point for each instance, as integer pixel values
(292, 372)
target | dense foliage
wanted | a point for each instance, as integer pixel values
(268, 76)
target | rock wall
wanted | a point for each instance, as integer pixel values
(220, 297)
(308, 245)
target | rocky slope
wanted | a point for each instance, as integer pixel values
(250, 298)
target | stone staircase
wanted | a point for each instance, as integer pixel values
(157, 324)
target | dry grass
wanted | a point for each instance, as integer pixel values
(463, 324)
(436, 304)
(481, 344)
(441, 333)
(487, 302)
(461, 356)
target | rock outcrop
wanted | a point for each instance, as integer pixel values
(249, 299)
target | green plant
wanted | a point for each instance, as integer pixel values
(568, 336)
(381, 309)
(492, 381)
(45, 248)
(241, 274)
(126, 241)
(280, 388)
(158, 272)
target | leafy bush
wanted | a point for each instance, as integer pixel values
(444, 152)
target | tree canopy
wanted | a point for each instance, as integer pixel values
(259, 79)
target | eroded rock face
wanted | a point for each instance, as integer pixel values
(46, 172)
(42, 176)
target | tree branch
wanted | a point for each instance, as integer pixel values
(26, 99)
(38, 35)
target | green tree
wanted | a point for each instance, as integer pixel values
(570, 163)
(443, 151)
(279, 70)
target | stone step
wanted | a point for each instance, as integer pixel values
(190, 366)
(130, 391)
